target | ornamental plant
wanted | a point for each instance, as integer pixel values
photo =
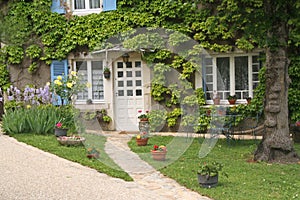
(161, 148)
(297, 123)
(142, 135)
(143, 115)
(210, 169)
(67, 86)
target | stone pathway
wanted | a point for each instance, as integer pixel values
(144, 174)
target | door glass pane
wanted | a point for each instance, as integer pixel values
(138, 83)
(129, 65)
(129, 83)
(139, 92)
(120, 65)
(138, 64)
(129, 92)
(223, 77)
(120, 74)
(120, 93)
(120, 84)
(138, 74)
(129, 74)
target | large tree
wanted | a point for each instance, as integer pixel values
(269, 25)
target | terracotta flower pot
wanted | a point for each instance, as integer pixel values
(159, 155)
(142, 141)
(232, 101)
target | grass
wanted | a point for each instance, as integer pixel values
(246, 180)
(77, 154)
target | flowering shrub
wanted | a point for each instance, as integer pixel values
(60, 125)
(30, 96)
(297, 123)
(160, 148)
(67, 86)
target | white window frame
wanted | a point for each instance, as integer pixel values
(232, 74)
(90, 81)
(87, 9)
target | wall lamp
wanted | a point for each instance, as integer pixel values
(125, 57)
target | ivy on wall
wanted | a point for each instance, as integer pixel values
(41, 36)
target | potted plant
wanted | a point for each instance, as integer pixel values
(159, 152)
(103, 119)
(248, 99)
(60, 129)
(142, 138)
(216, 98)
(143, 116)
(106, 72)
(208, 174)
(71, 140)
(232, 99)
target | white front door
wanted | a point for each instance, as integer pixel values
(129, 95)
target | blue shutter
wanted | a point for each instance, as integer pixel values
(109, 5)
(55, 7)
(58, 68)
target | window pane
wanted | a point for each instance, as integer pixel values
(223, 78)
(81, 67)
(241, 73)
(97, 80)
(94, 3)
(79, 4)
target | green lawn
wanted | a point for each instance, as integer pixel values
(245, 180)
(77, 154)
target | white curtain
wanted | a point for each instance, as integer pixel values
(94, 3)
(79, 4)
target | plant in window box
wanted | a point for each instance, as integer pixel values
(106, 72)
(232, 99)
(248, 99)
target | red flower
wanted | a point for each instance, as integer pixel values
(59, 125)
(139, 111)
(155, 147)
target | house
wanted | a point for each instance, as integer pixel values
(128, 88)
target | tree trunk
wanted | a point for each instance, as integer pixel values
(276, 145)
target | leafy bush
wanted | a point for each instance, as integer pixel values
(39, 119)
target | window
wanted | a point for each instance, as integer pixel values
(91, 72)
(86, 4)
(234, 74)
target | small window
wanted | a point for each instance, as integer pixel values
(129, 93)
(138, 74)
(120, 74)
(139, 92)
